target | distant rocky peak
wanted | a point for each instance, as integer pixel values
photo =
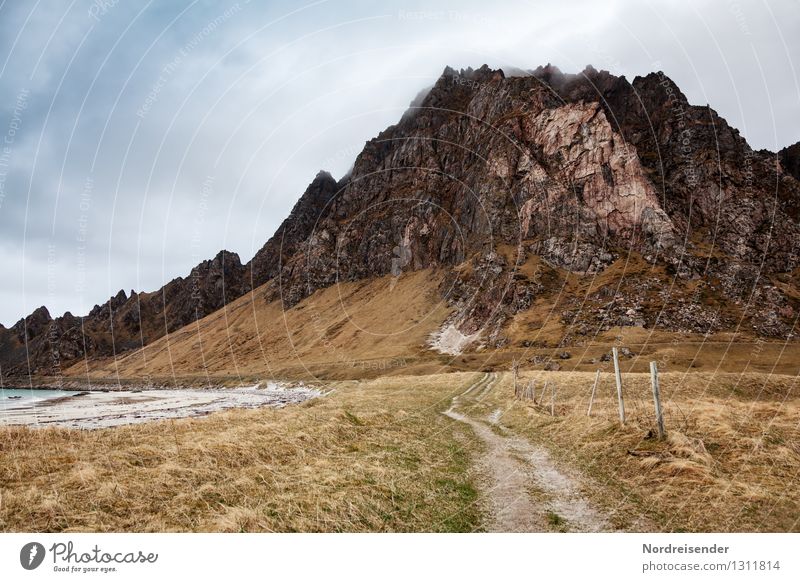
(39, 315)
(34, 324)
(454, 89)
(551, 75)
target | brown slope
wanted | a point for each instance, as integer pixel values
(351, 329)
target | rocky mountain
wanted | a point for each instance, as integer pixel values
(484, 173)
(300, 224)
(39, 344)
(578, 170)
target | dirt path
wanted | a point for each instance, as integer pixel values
(525, 489)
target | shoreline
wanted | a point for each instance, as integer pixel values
(96, 409)
(136, 385)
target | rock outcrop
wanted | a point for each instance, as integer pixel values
(790, 159)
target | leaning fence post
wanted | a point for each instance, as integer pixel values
(657, 399)
(594, 389)
(553, 400)
(619, 385)
(544, 391)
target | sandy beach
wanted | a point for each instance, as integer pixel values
(103, 409)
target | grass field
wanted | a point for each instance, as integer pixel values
(730, 460)
(374, 456)
(378, 455)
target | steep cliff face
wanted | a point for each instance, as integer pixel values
(578, 169)
(313, 205)
(709, 181)
(483, 161)
(485, 172)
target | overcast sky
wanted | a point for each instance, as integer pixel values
(142, 137)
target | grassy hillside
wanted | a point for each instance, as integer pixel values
(357, 329)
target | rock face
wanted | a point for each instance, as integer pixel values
(790, 159)
(577, 169)
(483, 161)
(483, 173)
(294, 231)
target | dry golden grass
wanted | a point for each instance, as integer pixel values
(730, 462)
(365, 329)
(375, 456)
(378, 455)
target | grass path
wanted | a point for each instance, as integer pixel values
(524, 489)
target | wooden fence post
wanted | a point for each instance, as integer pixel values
(657, 399)
(514, 369)
(618, 376)
(544, 391)
(532, 388)
(553, 400)
(594, 389)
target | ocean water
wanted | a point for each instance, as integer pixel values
(25, 396)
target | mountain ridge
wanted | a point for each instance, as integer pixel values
(577, 169)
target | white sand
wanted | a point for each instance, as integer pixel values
(91, 410)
